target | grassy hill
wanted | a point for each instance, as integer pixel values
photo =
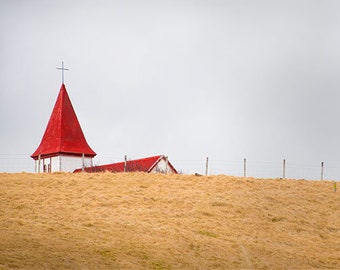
(152, 221)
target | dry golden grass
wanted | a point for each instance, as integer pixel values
(152, 221)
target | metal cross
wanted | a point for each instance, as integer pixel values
(62, 71)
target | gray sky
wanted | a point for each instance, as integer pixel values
(190, 79)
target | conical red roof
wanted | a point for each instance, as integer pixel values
(63, 134)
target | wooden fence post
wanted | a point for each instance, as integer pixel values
(166, 164)
(206, 166)
(125, 162)
(284, 169)
(39, 161)
(244, 167)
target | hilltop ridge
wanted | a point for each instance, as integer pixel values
(154, 221)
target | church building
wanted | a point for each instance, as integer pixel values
(63, 146)
(155, 164)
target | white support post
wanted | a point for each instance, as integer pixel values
(83, 162)
(59, 158)
(322, 167)
(206, 166)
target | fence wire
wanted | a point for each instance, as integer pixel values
(259, 169)
(14, 163)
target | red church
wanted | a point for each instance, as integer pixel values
(63, 146)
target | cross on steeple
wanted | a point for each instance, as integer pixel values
(62, 71)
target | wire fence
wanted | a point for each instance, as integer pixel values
(13, 163)
(261, 169)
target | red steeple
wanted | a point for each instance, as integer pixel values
(63, 134)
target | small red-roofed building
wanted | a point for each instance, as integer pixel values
(155, 164)
(63, 146)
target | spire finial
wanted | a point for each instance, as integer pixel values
(62, 71)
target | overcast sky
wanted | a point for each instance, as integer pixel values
(189, 79)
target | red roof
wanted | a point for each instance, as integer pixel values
(137, 165)
(63, 134)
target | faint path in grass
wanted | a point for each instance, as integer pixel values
(247, 261)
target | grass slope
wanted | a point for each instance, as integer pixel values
(153, 221)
